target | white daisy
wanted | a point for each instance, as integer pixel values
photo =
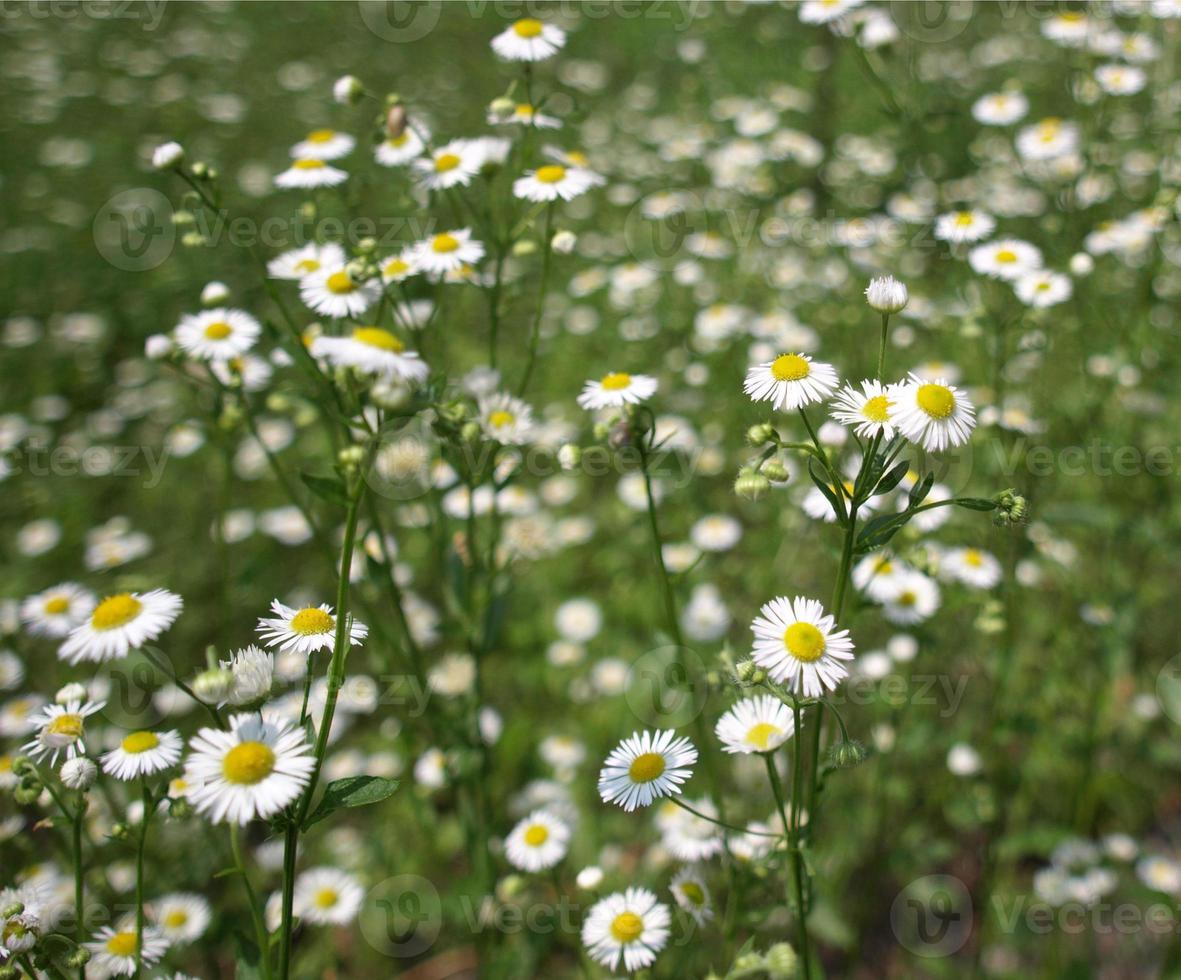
(323, 144)
(398, 268)
(305, 630)
(374, 351)
(217, 335)
(334, 292)
(915, 598)
(1043, 288)
(964, 226)
(538, 842)
(933, 414)
(868, 412)
(616, 389)
(758, 724)
(877, 575)
(529, 39)
(121, 623)
(310, 172)
(971, 566)
(453, 164)
(797, 644)
(790, 381)
(631, 926)
(448, 251)
(553, 182)
(687, 836)
(1120, 79)
(327, 896)
(716, 532)
(299, 262)
(61, 727)
(1000, 108)
(251, 372)
(181, 917)
(143, 753)
(253, 671)
(692, 894)
(523, 114)
(397, 151)
(505, 419)
(253, 770)
(1006, 258)
(646, 767)
(57, 610)
(113, 951)
(1047, 139)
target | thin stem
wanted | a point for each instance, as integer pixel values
(79, 886)
(145, 820)
(542, 289)
(721, 823)
(882, 347)
(797, 857)
(260, 929)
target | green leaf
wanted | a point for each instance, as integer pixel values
(825, 488)
(918, 493)
(893, 478)
(249, 964)
(328, 488)
(350, 792)
(975, 503)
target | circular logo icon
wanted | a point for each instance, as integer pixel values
(666, 687)
(932, 916)
(656, 238)
(931, 21)
(137, 692)
(133, 230)
(404, 459)
(401, 21)
(402, 916)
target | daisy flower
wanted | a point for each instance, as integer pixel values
(57, 610)
(616, 389)
(121, 623)
(790, 381)
(374, 351)
(797, 644)
(334, 292)
(180, 917)
(61, 726)
(143, 754)
(299, 262)
(538, 842)
(323, 144)
(825, 11)
(523, 114)
(448, 251)
(305, 630)
(529, 39)
(971, 566)
(758, 724)
(397, 151)
(877, 575)
(867, 411)
(1006, 258)
(553, 182)
(915, 598)
(933, 414)
(692, 894)
(253, 670)
(309, 172)
(505, 419)
(327, 896)
(1000, 108)
(217, 335)
(646, 767)
(398, 268)
(453, 164)
(253, 770)
(631, 926)
(1041, 289)
(1047, 139)
(113, 951)
(964, 226)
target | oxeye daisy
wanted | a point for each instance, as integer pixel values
(143, 753)
(529, 39)
(308, 172)
(327, 896)
(915, 598)
(632, 926)
(253, 770)
(61, 727)
(758, 724)
(866, 412)
(121, 623)
(1006, 258)
(397, 151)
(305, 630)
(790, 381)
(113, 951)
(181, 917)
(877, 575)
(505, 419)
(253, 671)
(692, 894)
(334, 291)
(448, 251)
(217, 335)
(799, 646)
(57, 610)
(297, 263)
(971, 566)
(374, 351)
(933, 414)
(1041, 289)
(453, 164)
(323, 144)
(538, 842)
(964, 226)
(616, 389)
(646, 767)
(553, 182)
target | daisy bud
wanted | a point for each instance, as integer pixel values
(601, 431)
(395, 121)
(215, 294)
(8, 973)
(887, 295)
(27, 792)
(157, 347)
(774, 471)
(194, 239)
(167, 155)
(213, 684)
(502, 106)
(13, 910)
(120, 831)
(1081, 264)
(180, 809)
(748, 963)
(22, 765)
(1012, 508)
(745, 671)
(350, 457)
(366, 246)
(751, 484)
(79, 958)
(200, 170)
(759, 434)
(563, 242)
(78, 773)
(589, 878)
(470, 432)
(569, 456)
(845, 755)
(183, 218)
(347, 90)
(71, 692)
(781, 962)
(524, 247)
(509, 887)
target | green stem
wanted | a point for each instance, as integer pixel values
(145, 820)
(882, 347)
(797, 857)
(543, 288)
(260, 929)
(721, 823)
(79, 871)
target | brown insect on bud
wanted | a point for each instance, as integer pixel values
(395, 121)
(459, 543)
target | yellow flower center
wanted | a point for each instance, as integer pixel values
(379, 338)
(176, 918)
(1006, 256)
(528, 27)
(307, 265)
(501, 417)
(445, 162)
(616, 380)
(883, 566)
(219, 330)
(321, 136)
(308, 164)
(907, 598)
(326, 898)
(67, 726)
(973, 557)
(536, 835)
(646, 767)
(395, 267)
(963, 218)
(693, 891)
(761, 734)
(789, 367)
(138, 742)
(936, 400)
(340, 283)
(626, 927)
(312, 622)
(5, 763)
(57, 605)
(804, 642)
(577, 157)
(552, 174)
(248, 763)
(444, 243)
(122, 944)
(877, 409)
(115, 611)
(399, 140)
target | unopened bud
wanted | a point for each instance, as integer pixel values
(845, 755)
(887, 295)
(781, 962)
(213, 684)
(775, 471)
(564, 242)
(569, 456)
(750, 484)
(120, 831)
(502, 106)
(524, 247)
(759, 434)
(80, 957)
(347, 89)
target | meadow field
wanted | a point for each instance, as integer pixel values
(548, 489)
